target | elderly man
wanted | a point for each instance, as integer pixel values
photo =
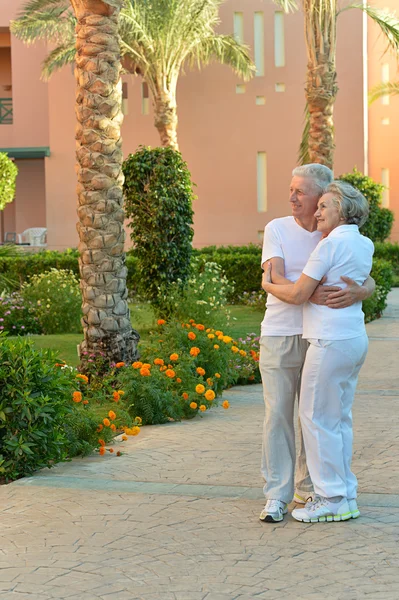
(288, 243)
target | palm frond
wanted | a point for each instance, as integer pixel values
(287, 5)
(52, 25)
(37, 6)
(383, 89)
(58, 58)
(226, 50)
(387, 22)
(303, 152)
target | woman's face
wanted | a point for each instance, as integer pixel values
(327, 214)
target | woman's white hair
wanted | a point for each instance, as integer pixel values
(353, 206)
(321, 175)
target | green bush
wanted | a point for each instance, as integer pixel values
(8, 175)
(379, 224)
(34, 405)
(242, 270)
(158, 202)
(390, 252)
(18, 316)
(23, 266)
(57, 300)
(382, 273)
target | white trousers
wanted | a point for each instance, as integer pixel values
(281, 362)
(328, 386)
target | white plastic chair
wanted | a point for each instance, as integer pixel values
(35, 236)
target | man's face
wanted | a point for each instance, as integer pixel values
(304, 196)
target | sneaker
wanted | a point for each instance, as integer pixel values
(355, 512)
(302, 497)
(321, 509)
(274, 511)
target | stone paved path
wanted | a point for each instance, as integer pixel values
(176, 517)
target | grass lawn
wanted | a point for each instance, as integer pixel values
(244, 320)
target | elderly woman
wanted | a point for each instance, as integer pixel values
(337, 350)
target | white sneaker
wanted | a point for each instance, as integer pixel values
(302, 497)
(355, 512)
(321, 510)
(274, 511)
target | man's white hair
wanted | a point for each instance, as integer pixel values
(321, 175)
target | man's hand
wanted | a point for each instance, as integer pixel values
(322, 292)
(347, 296)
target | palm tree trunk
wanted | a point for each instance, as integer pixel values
(321, 87)
(165, 114)
(106, 318)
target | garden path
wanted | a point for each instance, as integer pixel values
(176, 516)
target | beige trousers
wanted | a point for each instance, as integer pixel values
(281, 362)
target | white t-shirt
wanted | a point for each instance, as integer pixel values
(284, 238)
(344, 252)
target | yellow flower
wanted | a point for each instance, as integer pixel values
(234, 349)
(200, 371)
(200, 389)
(210, 395)
(209, 381)
(211, 336)
(174, 356)
(220, 337)
(243, 353)
(225, 404)
(193, 405)
(216, 347)
(217, 375)
(132, 430)
(139, 419)
(227, 339)
(124, 438)
(202, 408)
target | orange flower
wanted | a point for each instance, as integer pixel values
(115, 396)
(133, 431)
(85, 402)
(137, 365)
(200, 389)
(178, 380)
(101, 442)
(227, 339)
(60, 364)
(191, 335)
(216, 347)
(161, 322)
(188, 326)
(112, 415)
(174, 356)
(102, 451)
(194, 351)
(208, 330)
(217, 375)
(145, 372)
(211, 336)
(119, 365)
(82, 377)
(185, 396)
(225, 404)
(191, 321)
(170, 373)
(139, 419)
(100, 428)
(209, 381)
(202, 408)
(158, 361)
(163, 368)
(220, 337)
(218, 333)
(243, 353)
(210, 395)
(113, 427)
(119, 453)
(146, 366)
(110, 450)
(200, 371)
(234, 349)
(106, 422)
(200, 327)
(124, 438)
(193, 405)
(77, 397)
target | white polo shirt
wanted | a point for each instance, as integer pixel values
(284, 238)
(344, 252)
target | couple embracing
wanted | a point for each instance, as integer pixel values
(313, 343)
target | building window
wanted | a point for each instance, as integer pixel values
(261, 168)
(385, 79)
(145, 100)
(238, 24)
(385, 121)
(259, 44)
(385, 182)
(260, 100)
(279, 46)
(240, 89)
(280, 87)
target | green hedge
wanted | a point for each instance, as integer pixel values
(21, 267)
(383, 275)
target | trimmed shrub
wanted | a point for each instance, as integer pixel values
(390, 252)
(18, 316)
(158, 202)
(382, 274)
(379, 224)
(242, 270)
(23, 266)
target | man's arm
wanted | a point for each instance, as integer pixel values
(351, 294)
(277, 270)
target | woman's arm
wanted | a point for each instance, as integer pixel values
(296, 293)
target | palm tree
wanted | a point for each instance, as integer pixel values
(106, 318)
(389, 88)
(320, 23)
(158, 39)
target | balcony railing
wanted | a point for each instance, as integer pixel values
(5, 111)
